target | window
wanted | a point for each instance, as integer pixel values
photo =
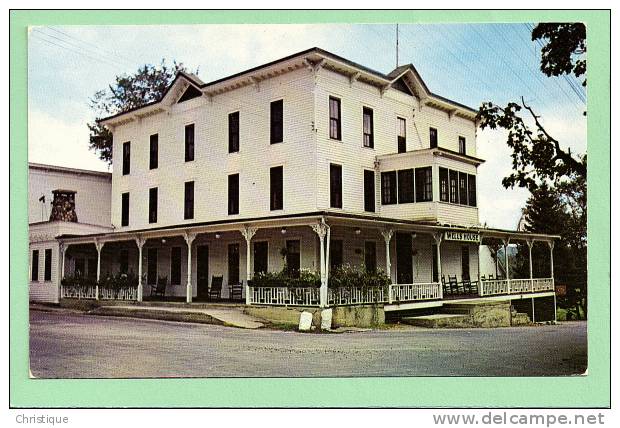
(233, 194)
(261, 256)
(463, 188)
(276, 185)
(464, 262)
(126, 158)
(462, 145)
(369, 138)
(402, 135)
(433, 137)
(34, 267)
(335, 186)
(405, 186)
(370, 256)
(233, 263)
(153, 152)
(293, 258)
(233, 132)
(424, 184)
(471, 189)
(79, 267)
(277, 122)
(335, 131)
(335, 254)
(47, 272)
(369, 191)
(175, 266)
(454, 196)
(189, 143)
(125, 209)
(123, 261)
(388, 188)
(189, 200)
(443, 185)
(435, 263)
(151, 268)
(153, 205)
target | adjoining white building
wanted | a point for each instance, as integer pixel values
(310, 161)
(62, 201)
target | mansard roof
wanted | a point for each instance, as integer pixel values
(313, 58)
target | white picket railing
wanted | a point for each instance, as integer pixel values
(343, 296)
(415, 292)
(104, 293)
(491, 287)
(284, 296)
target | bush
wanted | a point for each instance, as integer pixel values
(283, 278)
(347, 276)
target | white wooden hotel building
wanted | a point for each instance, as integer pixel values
(311, 160)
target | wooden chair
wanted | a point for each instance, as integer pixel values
(215, 291)
(454, 285)
(159, 289)
(466, 286)
(236, 291)
(444, 285)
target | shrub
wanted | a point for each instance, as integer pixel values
(347, 276)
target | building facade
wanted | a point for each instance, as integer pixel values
(312, 162)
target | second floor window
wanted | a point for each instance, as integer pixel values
(335, 131)
(388, 188)
(277, 122)
(233, 132)
(433, 137)
(402, 135)
(443, 185)
(335, 186)
(233, 194)
(125, 209)
(471, 189)
(154, 151)
(153, 205)
(189, 200)
(369, 138)
(369, 190)
(189, 143)
(454, 194)
(405, 186)
(126, 158)
(276, 188)
(462, 145)
(463, 188)
(424, 184)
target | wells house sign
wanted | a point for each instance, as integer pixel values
(461, 236)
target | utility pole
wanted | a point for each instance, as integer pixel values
(397, 45)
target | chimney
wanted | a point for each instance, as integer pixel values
(63, 206)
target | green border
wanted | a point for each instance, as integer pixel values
(592, 390)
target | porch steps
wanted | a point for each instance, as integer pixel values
(220, 315)
(439, 321)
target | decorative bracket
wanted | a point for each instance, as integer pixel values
(551, 244)
(354, 78)
(387, 235)
(99, 245)
(189, 237)
(438, 238)
(140, 241)
(248, 232)
(256, 82)
(320, 229)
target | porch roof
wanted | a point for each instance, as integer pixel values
(337, 218)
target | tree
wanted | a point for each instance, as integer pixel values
(536, 155)
(128, 92)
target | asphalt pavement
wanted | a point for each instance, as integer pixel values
(70, 345)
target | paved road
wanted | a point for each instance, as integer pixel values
(64, 345)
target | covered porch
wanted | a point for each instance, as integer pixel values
(223, 261)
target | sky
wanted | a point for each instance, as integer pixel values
(468, 63)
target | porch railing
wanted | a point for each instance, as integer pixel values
(491, 287)
(415, 292)
(357, 295)
(81, 292)
(284, 296)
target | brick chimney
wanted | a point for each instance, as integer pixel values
(63, 206)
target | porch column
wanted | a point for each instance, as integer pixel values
(387, 236)
(62, 249)
(530, 244)
(506, 244)
(480, 290)
(321, 230)
(189, 239)
(140, 243)
(555, 313)
(438, 238)
(248, 233)
(99, 247)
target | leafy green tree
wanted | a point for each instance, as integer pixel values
(565, 50)
(146, 85)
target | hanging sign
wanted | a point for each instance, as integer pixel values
(451, 235)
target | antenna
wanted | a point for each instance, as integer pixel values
(396, 45)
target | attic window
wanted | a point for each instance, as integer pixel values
(190, 93)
